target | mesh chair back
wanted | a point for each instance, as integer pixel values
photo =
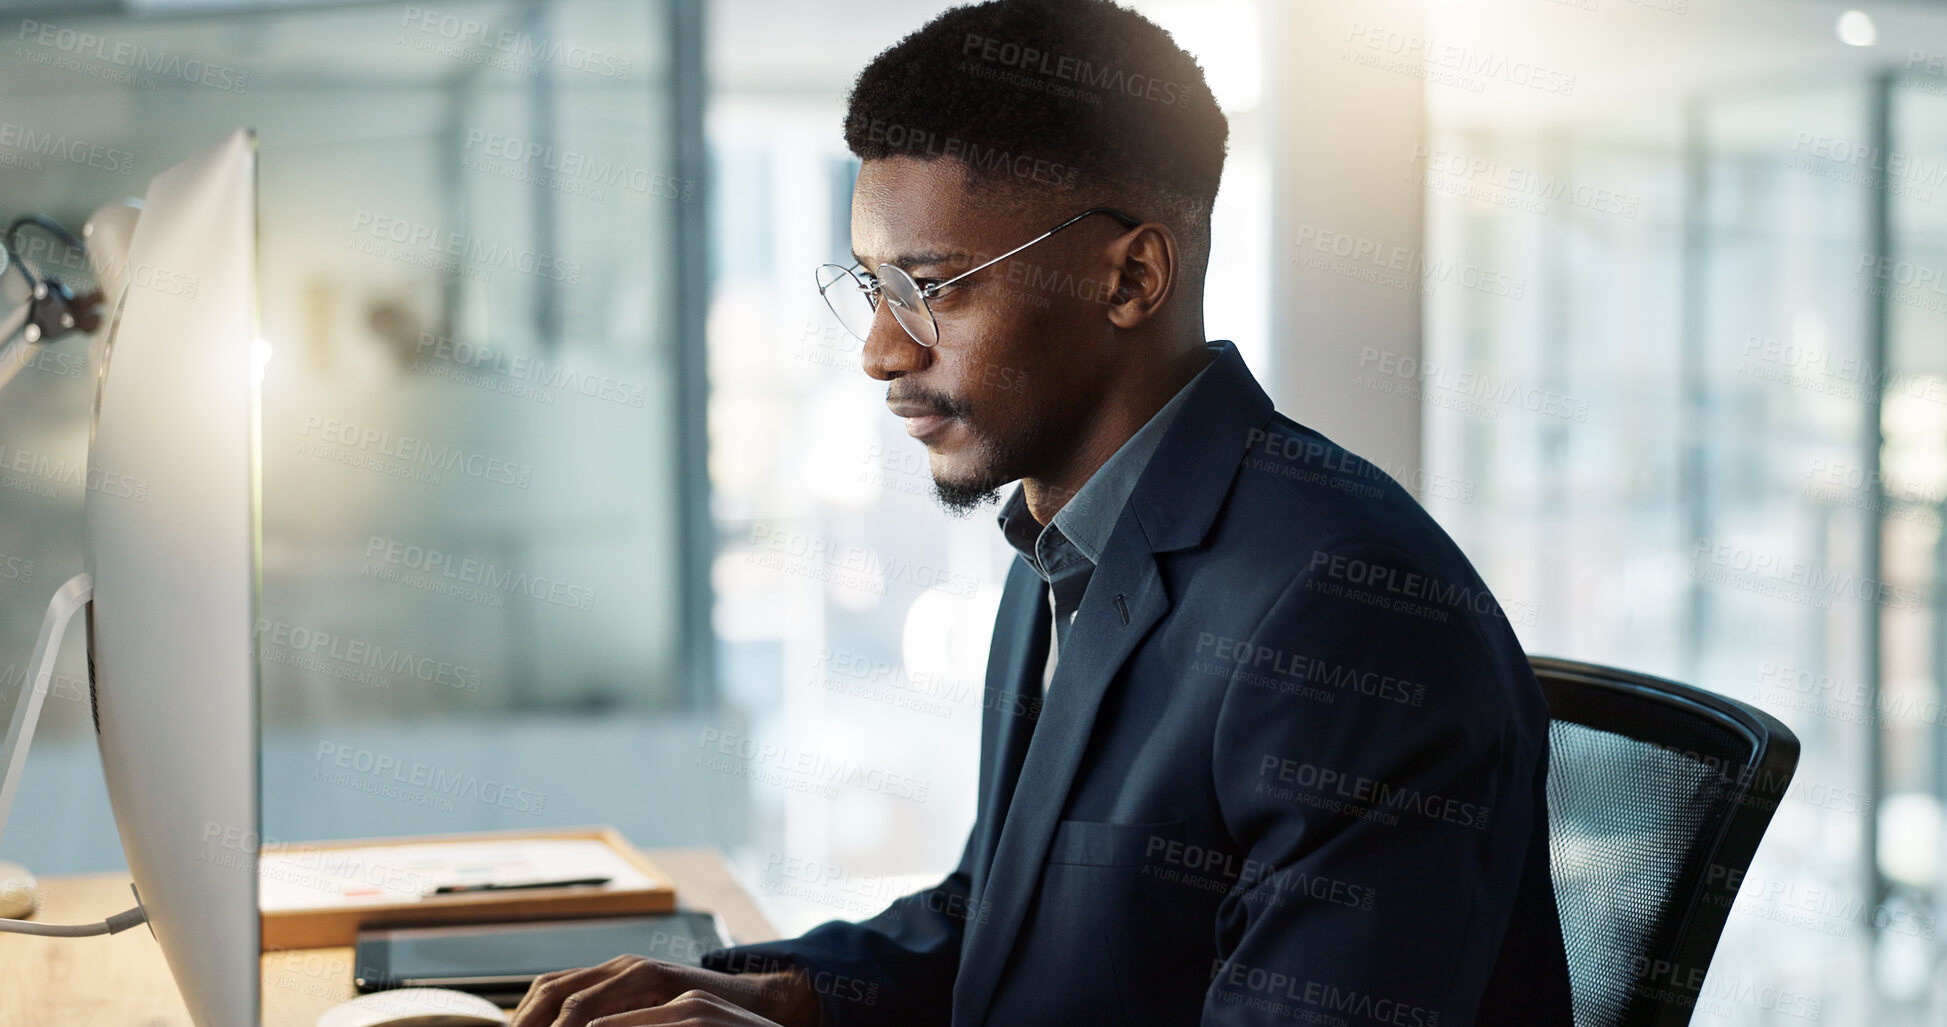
(1658, 794)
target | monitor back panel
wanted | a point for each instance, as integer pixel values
(171, 542)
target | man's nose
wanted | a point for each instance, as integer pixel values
(889, 350)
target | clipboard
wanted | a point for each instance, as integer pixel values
(320, 894)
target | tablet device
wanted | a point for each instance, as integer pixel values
(499, 961)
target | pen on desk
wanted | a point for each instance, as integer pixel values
(460, 889)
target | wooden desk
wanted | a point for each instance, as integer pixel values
(122, 981)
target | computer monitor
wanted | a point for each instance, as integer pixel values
(171, 557)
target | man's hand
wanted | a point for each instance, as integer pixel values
(628, 991)
(690, 1009)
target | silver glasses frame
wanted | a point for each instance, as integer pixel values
(908, 295)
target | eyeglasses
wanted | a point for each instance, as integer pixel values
(853, 292)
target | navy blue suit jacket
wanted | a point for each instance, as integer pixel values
(1290, 770)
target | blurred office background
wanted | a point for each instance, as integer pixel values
(1646, 299)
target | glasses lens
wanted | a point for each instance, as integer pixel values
(908, 304)
(846, 295)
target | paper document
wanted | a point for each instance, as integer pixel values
(321, 876)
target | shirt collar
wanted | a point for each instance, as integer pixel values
(1088, 519)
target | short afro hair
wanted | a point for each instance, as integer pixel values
(1068, 96)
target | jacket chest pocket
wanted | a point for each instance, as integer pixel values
(1097, 843)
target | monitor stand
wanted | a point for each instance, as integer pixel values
(16, 884)
(68, 600)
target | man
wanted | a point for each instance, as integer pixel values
(1259, 746)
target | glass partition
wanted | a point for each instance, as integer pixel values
(1732, 301)
(472, 597)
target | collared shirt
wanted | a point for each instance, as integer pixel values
(1066, 550)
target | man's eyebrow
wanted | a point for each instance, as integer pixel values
(909, 261)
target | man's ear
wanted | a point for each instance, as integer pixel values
(1145, 262)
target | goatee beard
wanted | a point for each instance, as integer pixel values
(960, 499)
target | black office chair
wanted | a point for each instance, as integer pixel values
(1658, 794)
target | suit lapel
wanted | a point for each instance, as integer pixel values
(1099, 642)
(1173, 507)
(1022, 632)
